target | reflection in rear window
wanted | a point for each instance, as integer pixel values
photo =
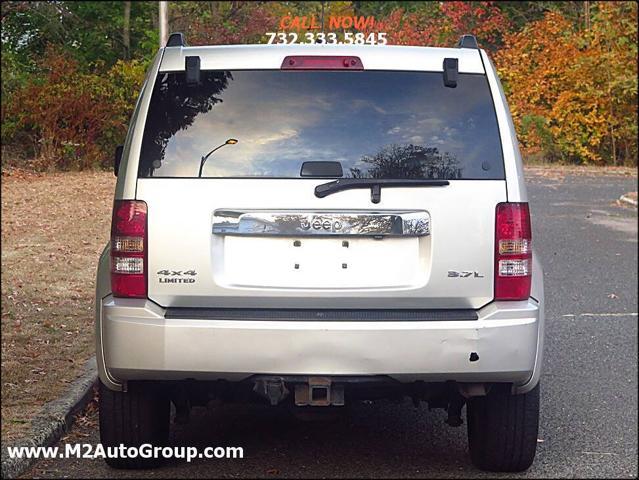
(377, 124)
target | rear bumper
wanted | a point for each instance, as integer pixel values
(135, 341)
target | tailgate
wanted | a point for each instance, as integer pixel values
(213, 245)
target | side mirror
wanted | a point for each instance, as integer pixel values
(118, 157)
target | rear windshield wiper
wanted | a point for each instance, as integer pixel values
(375, 185)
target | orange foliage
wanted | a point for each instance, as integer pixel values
(75, 119)
(572, 92)
(223, 23)
(445, 23)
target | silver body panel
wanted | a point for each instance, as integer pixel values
(390, 268)
(239, 57)
(135, 341)
(509, 144)
(392, 272)
(142, 344)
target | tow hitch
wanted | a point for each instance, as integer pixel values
(319, 392)
(309, 391)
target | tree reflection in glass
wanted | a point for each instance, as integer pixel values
(174, 107)
(408, 161)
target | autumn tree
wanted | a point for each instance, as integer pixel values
(219, 23)
(569, 68)
(440, 24)
(573, 91)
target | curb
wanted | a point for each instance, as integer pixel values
(628, 200)
(53, 421)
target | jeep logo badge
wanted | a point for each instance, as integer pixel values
(320, 223)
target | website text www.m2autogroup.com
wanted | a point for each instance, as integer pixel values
(99, 451)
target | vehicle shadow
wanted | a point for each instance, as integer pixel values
(380, 439)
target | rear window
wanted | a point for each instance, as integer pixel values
(267, 123)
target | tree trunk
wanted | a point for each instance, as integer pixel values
(587, 14)
(235, 7)
(163, 21)
(612, 108)
(612, 127)
(357, 8)
(126, 33)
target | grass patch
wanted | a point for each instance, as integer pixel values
(54, 227)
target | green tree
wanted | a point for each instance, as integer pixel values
(88, 31)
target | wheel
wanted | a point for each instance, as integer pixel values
(141, 415)
(502, 430)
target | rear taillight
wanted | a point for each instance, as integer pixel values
(128, 249)
(513, 252)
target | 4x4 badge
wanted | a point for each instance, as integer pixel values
(177, 272)
(177, 276)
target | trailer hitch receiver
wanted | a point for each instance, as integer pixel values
(319, 392)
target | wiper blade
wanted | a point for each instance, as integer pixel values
(375, 184)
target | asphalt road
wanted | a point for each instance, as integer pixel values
(588, 245)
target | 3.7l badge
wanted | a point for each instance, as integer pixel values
(464, 274)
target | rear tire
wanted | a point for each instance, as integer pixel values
(140, 415)
(502, 430)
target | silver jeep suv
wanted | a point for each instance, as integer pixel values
(313, 225)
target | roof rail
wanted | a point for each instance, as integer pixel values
(467, 41)
(176, 40)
